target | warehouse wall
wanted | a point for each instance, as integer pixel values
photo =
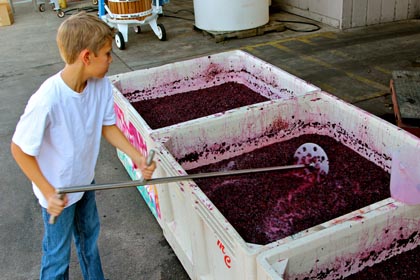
(345, 14)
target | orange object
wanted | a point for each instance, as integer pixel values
(6, 14)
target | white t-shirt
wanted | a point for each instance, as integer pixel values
(62, 129)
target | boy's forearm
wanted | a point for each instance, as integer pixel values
(30, 168)
(117, 139)
(114, 136)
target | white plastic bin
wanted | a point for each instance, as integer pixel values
(218, 251)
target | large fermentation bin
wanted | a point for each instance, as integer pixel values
(194, 74)
(217, 250)
(345, 248)
(172, 205)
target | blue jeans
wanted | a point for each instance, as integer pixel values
(80, 220)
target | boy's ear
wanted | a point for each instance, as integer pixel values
(85, 56)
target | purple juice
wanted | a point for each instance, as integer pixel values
(265, 207)
(177, 108)
(404, 266)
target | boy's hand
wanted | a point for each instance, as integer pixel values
(56, 204)
(146, 170)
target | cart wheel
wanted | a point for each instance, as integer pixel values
(95, 2)
(137, 29)
(41, 7)
(119, 41)
(162, 33)
(60, 14)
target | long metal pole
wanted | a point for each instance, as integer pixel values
(176, 179)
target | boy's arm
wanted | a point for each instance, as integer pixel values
(30, 168)
(116, 138)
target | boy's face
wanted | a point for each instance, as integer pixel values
(100, 63)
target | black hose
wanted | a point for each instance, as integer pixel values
(178, 11)
(317, 27)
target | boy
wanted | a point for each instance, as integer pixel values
(56, 144)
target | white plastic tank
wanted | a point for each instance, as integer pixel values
(230, 15)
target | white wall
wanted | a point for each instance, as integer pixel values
(345, 14)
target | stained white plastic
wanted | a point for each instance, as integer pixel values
(345, 248)
(219, 251)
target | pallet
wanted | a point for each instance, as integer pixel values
(405, 90)
(220, 36)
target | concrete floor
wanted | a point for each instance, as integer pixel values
(353, 65)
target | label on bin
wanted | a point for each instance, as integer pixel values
(226, 257)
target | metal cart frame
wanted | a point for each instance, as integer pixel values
(54, 5)
(123, 21)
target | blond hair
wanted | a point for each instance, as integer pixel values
(82, 31)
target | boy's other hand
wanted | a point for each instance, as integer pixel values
(56, 204)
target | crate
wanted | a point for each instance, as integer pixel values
(218, 251)
(405, 88)
(171, 204)
(6, 13)
(345, 248)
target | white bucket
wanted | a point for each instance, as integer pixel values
(232, 15)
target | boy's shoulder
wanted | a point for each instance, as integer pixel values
(49, 91)
(52, 81)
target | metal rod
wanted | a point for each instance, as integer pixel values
(61, 193)
(176, 178)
